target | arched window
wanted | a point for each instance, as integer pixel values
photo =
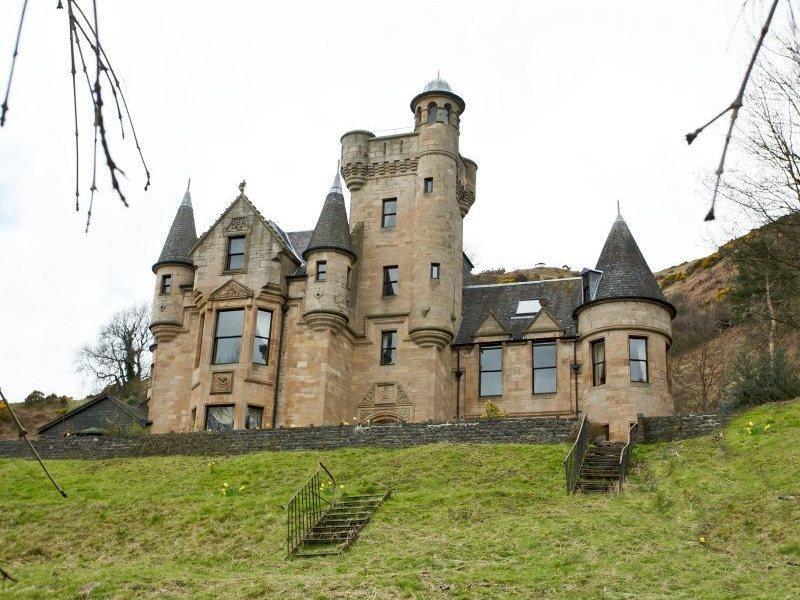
(446, 112)
(432, 112)
(418, 118)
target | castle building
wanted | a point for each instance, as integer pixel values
(373, 317)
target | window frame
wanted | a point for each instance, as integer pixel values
(321, 275)
(226, 337)
(436, 271)
(534, 368)
(646, 359)
(261, 337)
(209, 407)
(388, 281)
(592, 345)
(166, 284)
(229, 254)
(427, 185)
(385, 214)
(247, 415)
(390, 335)
(481, 370)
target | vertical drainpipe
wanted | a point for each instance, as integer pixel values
(459, 373)
(284, 310)
(575, 370)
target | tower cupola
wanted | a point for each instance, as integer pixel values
(437, 103)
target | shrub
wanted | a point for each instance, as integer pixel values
(760, 380)
(492, 411)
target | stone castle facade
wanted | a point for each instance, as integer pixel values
(372, 317)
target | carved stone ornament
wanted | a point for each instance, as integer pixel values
(238, 225)
(232, 291)
(386, 399)
(222, 382)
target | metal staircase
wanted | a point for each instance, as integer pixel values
(320, 520)
(600, 466)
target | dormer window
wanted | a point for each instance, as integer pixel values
(591, 279)
(235, 260)
(528, 308)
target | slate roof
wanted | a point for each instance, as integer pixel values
(136, 413)
(299, 240)
(182, 236)
(332, 231)
(625, 271)
(560, 297)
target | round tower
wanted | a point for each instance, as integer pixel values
(441, 172)
(625, 332)
(329, 260)
(173, 270)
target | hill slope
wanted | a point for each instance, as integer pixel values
(699, 518)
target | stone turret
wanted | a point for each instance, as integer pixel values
(441, 177)
(329, 260)
(625, 325)
(173, 270)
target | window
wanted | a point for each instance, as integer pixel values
(388, 347)
(228, 336)
(432, 112)
(322, 270)
(637, 352)
(598, 362)
(261, 337)
(428, 185)
(166, 284)
(254, 417)
(491, 375)
(349, 275)
(544, 367)
(445, 113)
(219, 417)
(528, 308)
(390, 280)
(389, 213)
(435, 270)
(194, 418)
(235, 253)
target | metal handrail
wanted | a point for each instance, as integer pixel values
(625, 455)
(574, 459)
(306, 507)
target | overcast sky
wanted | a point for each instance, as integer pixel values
(571, 106)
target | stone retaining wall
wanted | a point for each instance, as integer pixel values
(502, 431)
(678, 427)
(505, 431)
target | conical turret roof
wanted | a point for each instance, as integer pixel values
(332, 231)
(625, 271)
(182, 236)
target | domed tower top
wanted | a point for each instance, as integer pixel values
(438, 87)
(437, 103)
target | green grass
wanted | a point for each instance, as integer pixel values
(699, 519)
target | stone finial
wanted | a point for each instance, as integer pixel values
(241, 187)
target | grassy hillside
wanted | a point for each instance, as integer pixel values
(699, 519)
(32, 415)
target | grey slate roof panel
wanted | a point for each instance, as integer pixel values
(558, 296)
(299, 240)
(625, 271)
(332, 230)
(182, 236)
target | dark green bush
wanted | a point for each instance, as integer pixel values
(758, 380)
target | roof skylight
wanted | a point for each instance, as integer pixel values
(528, 307)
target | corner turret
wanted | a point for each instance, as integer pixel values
(173, 270)
(329, 260)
